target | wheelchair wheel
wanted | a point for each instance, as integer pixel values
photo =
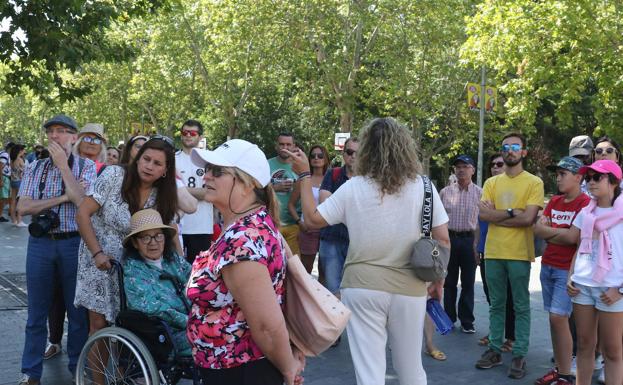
(117, 357)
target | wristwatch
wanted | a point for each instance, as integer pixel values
(510, 213)
(621, 290)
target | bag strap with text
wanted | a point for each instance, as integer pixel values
(427, 208)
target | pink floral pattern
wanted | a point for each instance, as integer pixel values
(217, 328)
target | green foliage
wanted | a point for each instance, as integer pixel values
(44, 38)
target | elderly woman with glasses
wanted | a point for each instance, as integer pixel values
(91, 144)
(382, 208)
(150, 253)
(237, 288)
(104, 221)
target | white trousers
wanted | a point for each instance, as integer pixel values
(377, 316)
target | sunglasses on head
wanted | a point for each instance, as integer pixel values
(497, 164)
(217, 171)
(316, 155)
(190, 133)
(165, 139)
(607, 150)
(349, 152)
(593, 177)
(511, 147)
(88, 139)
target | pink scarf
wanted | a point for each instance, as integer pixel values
(601, 224)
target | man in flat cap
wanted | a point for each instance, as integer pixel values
(51, 192)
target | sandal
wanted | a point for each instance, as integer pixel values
(51, 350)
(437, 354)
(484, 341)
(507, 346)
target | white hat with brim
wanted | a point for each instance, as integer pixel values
(93, 128)
(144, 220)
(236, 153)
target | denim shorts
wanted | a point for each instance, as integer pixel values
(554, 289)
(590, 296)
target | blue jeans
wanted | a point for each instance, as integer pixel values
(332, 255)
(49, 260)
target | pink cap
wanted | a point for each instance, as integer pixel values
(604, 167)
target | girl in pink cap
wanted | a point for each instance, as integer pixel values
(596, 274)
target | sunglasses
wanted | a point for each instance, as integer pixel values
(497, 164)
(511, 147)
(88, 139)
(165, 139)
(190, 133)
(317, 155)
(217, 171)
(349, 152)
(607, 150)
(146, 239)
(593, 177)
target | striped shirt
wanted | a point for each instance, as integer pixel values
(461, 204)
(53, 187)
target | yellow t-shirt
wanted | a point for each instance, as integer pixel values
(523, 190)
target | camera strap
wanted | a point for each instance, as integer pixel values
(46, 170)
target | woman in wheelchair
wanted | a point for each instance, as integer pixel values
(154, 275)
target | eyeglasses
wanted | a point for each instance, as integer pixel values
(349, 152)
(89, 139)
(146, 239)
(316, 155)
(607, 150)
(165, 139)
(593, 177)
(50, 130)
(217, 171)
(190, 133)
(497, 164)
(511, 147)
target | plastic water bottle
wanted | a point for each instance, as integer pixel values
(442, 322)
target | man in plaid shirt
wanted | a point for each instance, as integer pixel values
(461, 200)
(55, 184)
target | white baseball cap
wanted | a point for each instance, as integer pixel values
(236, 153)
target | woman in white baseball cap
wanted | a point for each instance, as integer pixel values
(237, 287)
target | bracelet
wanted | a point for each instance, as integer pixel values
(304, 174)
(94, 255)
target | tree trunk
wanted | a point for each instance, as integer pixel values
(346, 121)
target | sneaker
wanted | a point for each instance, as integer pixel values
(574, 366)
(489, 359)
(22, 224)
(602, 376)
(548, 379)
(3, 219)
(562, 381)
(27, 380)
(517, 369)
(51, 350)
(599, 362)
(468, 329)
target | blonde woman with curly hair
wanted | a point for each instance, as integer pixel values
(381, 206)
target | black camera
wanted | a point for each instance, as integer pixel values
(43, 223)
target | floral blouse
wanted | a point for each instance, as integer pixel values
(217, 328)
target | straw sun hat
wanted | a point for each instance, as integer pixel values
(147, 219)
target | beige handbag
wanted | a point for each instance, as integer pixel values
(314, 316)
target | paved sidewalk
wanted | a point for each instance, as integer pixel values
(332, 367)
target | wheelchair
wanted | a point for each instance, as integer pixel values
(137, 350)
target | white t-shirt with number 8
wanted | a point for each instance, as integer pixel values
(200, 222)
